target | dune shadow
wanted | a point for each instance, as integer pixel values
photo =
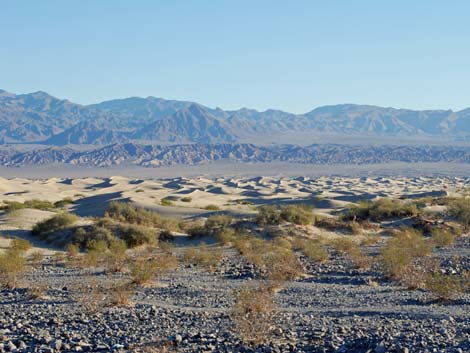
(105, 184)
(26, 235)
(95, 205)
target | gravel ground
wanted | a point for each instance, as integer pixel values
(332, 309)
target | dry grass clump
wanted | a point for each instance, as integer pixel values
(442, 238)
(459, 208)
(445, 287)
(54, 224)
(314, 250)
(89, 296)
(351, 250)
(144, 270)
(211, 227)
(22, 245)
(398, 254)
(73, 250)
(12, 267)
(297, 214)
(274, 262)
(119, 294)
(252, 314)
(115, 257)
(381, 209)
(36, 257)
(205, 257)
(37, 291)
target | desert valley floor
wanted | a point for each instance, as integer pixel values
(329, 291)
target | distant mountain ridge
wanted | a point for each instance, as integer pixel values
(193, 154)
(41, 118)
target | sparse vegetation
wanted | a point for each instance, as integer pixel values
(459, 208)
(442, 238)
(10, 206)
(212, 208)
(252, 314)
(54, 224)
(400, 251)
(12, 266)
(144, 270)
(187, 199)
(166, 202)
(381, 209)
(203, 256)
(444, 287)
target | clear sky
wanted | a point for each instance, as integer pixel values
(291, 55)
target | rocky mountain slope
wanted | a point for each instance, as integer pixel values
(192, 154)
(40, 118)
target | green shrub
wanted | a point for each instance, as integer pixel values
(380, 209)
(208, 258)
(442, 238)
(218, 222)
(186, 199)
(54, 224)
(166, 202)
(212, 208)
(460, 209)
(135, 235)
(268, 215)
(115, 257)
(12, 266)
(297, 214)
(397, 256)
(145, 270)
(35, 204)
(444, 287)
(124, 212)
(315, 251)
(64, 202)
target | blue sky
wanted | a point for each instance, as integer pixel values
(290, 55)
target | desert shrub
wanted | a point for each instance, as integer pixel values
(212, 208)
(72, 250)
(297, 214)
(119, 294)
(166, 202)
(186, 199)
(314, 250)
(89, 296)
(208, 258)
(459, 208)
(115, 257)
(217, 222)
(37, 257)
(12, 266)
(135, 235)
(145, 270)
(22, 245)
(124, 212)
(165, 235)
(197, 231)
(86, 236)
(10, 206)
(64, 202)
(355, 228)
(268, 215)
(442, 238)
(342, 245)
(400, 251)
(282, 242)
(381, 209)
(444, 287)
(252, 314)
(226, 235)
(54, 224)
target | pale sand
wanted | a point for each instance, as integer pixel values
(237, 196)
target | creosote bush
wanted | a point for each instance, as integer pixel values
(10, 206)
(203, 256)
(459, 208)
(314, 250)
(445, 287)
(12, 266)
(22, 245)
(54, 224)
(144, 270)
(126, 213)
(273, 215)
(442, 238)
(400, 251)
(252, 314)
(381, 209)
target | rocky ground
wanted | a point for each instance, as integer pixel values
(333, 308)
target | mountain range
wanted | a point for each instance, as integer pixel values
(40, 118)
